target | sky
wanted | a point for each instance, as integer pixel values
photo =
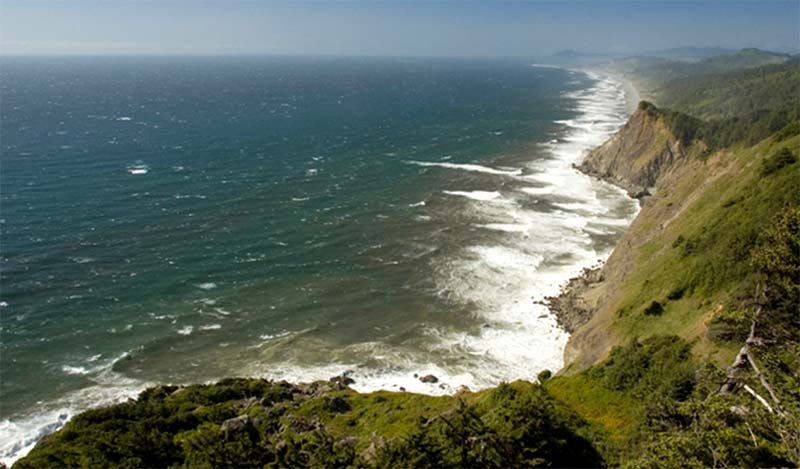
(390, 28)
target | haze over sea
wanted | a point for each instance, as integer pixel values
(176, 220)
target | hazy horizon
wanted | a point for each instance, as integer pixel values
(391, 28)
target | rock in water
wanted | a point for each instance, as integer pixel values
(342, 380)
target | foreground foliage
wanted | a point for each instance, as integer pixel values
(257, 423)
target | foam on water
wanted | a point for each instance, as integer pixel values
(508, 227)
(536, 252)
(468, 167)
(523, 338)
(75, 370)
(18, 437)
(482, 196)
(138, 168)
(537, 190)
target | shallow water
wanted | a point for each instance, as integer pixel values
(183, 220)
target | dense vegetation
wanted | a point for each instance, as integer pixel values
(256, 423)
(738, 93)
(717, 87)
(707, 373)
(661, 406)
(741, 107)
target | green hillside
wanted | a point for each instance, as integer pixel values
(710, 274)
(724, 86)
(713, 96)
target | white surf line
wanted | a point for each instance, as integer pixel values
(467, 167)
(501, 278)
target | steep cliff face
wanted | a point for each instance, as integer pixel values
(681, 185)
(641, 153)
(684, 264)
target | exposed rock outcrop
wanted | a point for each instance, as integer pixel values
(575, 305)
(343, 380)
(640, 154)
(235, 425)
(647, 160)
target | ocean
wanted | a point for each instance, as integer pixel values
(182, 220)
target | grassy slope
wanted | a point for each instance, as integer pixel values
(685, 268)
(697, 266)
(701, 259)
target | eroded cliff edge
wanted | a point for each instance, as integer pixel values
(667, 174)
(639, 155)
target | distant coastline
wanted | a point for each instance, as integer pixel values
(632, 93)
(578, 297)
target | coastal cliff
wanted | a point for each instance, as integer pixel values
(640, 154)
(643, 157)
(700, 294)
(683, 265)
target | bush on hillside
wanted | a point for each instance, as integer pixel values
(780, 159)
(655, 365)
(788, 131)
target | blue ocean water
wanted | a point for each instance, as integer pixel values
(187, 219)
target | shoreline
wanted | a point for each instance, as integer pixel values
(632, 94)
(573, 307)
(453, 386)
(450, 383)
(578, 297)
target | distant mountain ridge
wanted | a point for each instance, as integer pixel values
(685, 60)
(571, 53)
(745, 58)
(690, 52)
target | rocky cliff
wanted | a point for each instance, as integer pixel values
(684, 264)
(636, 157)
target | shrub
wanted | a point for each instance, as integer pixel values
(656, 364)
(676, 294)
(544, 376)
(777, 259)
(788, 131)
(654, 309)
(780, 159)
